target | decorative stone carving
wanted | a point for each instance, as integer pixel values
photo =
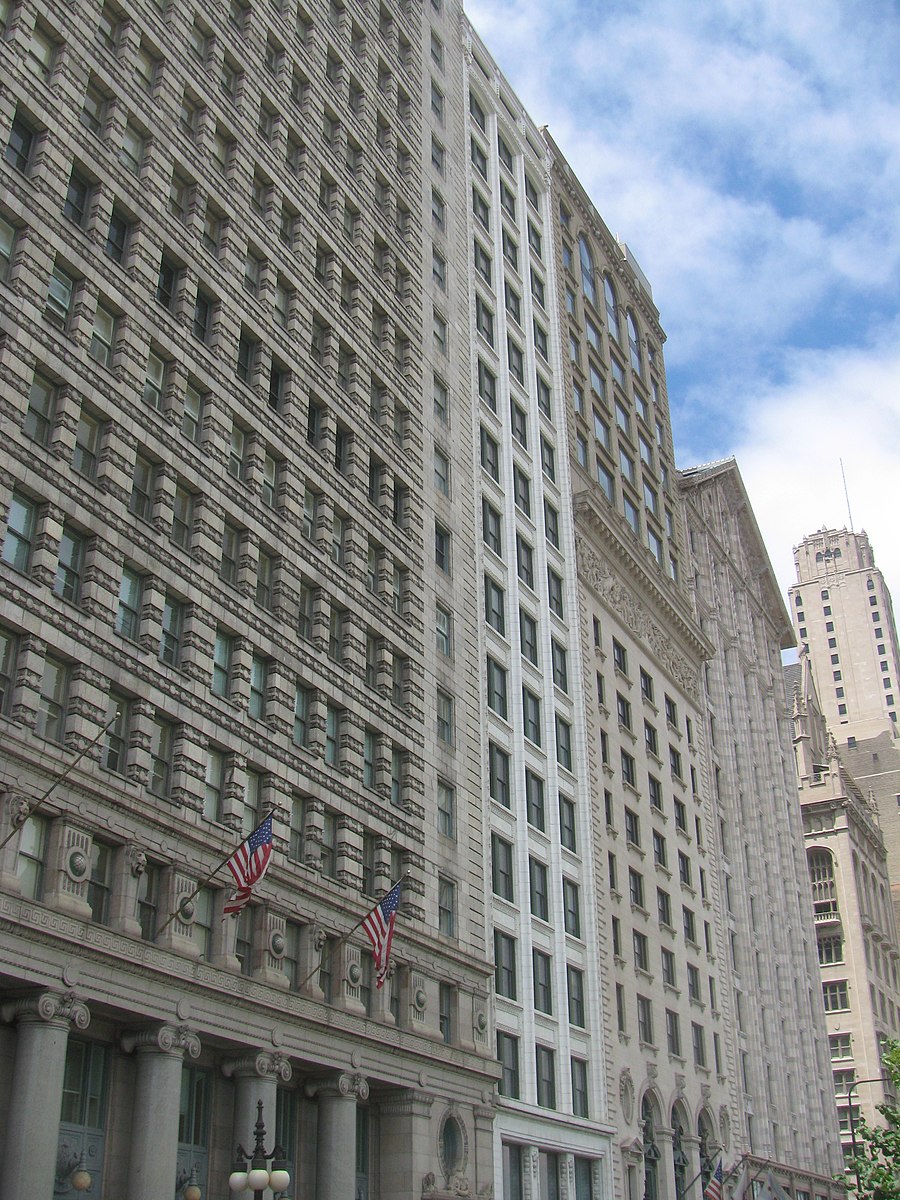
(626, 1094)
(77, 866)
(49, 1006)
(137, 860)
(724, 1128)
(18, 808)
(262, 1064)
(163, 1039)
(345, 1084)
(277, 944)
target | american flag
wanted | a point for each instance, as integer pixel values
(249, 862)
(379, 927)
(714, 1187)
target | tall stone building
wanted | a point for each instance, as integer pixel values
(339, 483)
(551, 1128)
(780, 1062)
(856, 936)
(233, 582)
(843, 614)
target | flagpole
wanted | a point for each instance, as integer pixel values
(32, 808)
(203, 882)
(349, 934)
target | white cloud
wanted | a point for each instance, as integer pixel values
(836, 407)
(748, 151)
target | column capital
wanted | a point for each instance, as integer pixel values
(259, 1065)
(345, 1085)
(176, 1040)
(52, 1007)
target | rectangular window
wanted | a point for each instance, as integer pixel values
(496, 687)
(531, 715)
(571, 908)
(505, 981)
(542, 970)
(534, 799)
(498, 772)
(446, 906)
(545, 1068)
(446, 809)
(162, 747)
(508, 1056)
(538, 887)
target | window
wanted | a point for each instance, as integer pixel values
(498, 772)
(52, 712)
(170, 635)
(21, 145)
(446, 906)
(76, 205)
(496, 687)
(99, 886)
(491, 529)
(20, 532)
(132, 150)
(143, 485)
(571, 908)
(636, 887)
(698, 1041)
(545, 1067)
(103, 336)
(333, 730)
(551, 524)
(259, 680)
(494, 605)
(534, 799)
(442, 547)
(487, 385)
(835, 995)
(563, 743)
(32, 854)
(444, 630)
(542, 966)
(645, 1020)
(538, 889)
(60, 296)
(484, 320)
(505, 982)
(554, 592)
(445, 717)
(128, 617)
(531, 716)
(508, 1056)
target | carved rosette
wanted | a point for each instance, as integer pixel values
(51, 1007)
(176, 1040)
(260, 1066)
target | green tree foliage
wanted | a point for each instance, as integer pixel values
(875, 1170)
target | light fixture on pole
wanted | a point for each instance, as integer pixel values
(260, 1176)
(80, 1178)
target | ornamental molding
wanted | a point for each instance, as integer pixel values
(596, 572)
(260, 1066)
(346, 1085)
(175, 1040)
(51, 1007)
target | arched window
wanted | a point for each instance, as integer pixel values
(821, 875)
(612, 309)
(634, 345)
(587, 270)
(680, 1162)
(708, 1149)
(651, 1150)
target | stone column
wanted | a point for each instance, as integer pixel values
(406, 1152)
(32, 1131)
(336, 1161)
(666, 1164)
(157, 1101)
(256, 1078)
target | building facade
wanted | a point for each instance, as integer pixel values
(780, 1064)
(843, 614)
(856, 936)
(232, 584)
(551, 1128)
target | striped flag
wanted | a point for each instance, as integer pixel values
(249, 862)
(713, 1189)
(379, 927)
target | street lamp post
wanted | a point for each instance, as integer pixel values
(855, 1084)
(259, 1176)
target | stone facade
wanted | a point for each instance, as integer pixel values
(780, 1066)
(219, 589)
(855, 931)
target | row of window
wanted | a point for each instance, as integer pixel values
(546, 1087)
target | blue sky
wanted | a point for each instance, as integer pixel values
(748, 151)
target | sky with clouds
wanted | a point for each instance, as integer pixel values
(748, 151)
